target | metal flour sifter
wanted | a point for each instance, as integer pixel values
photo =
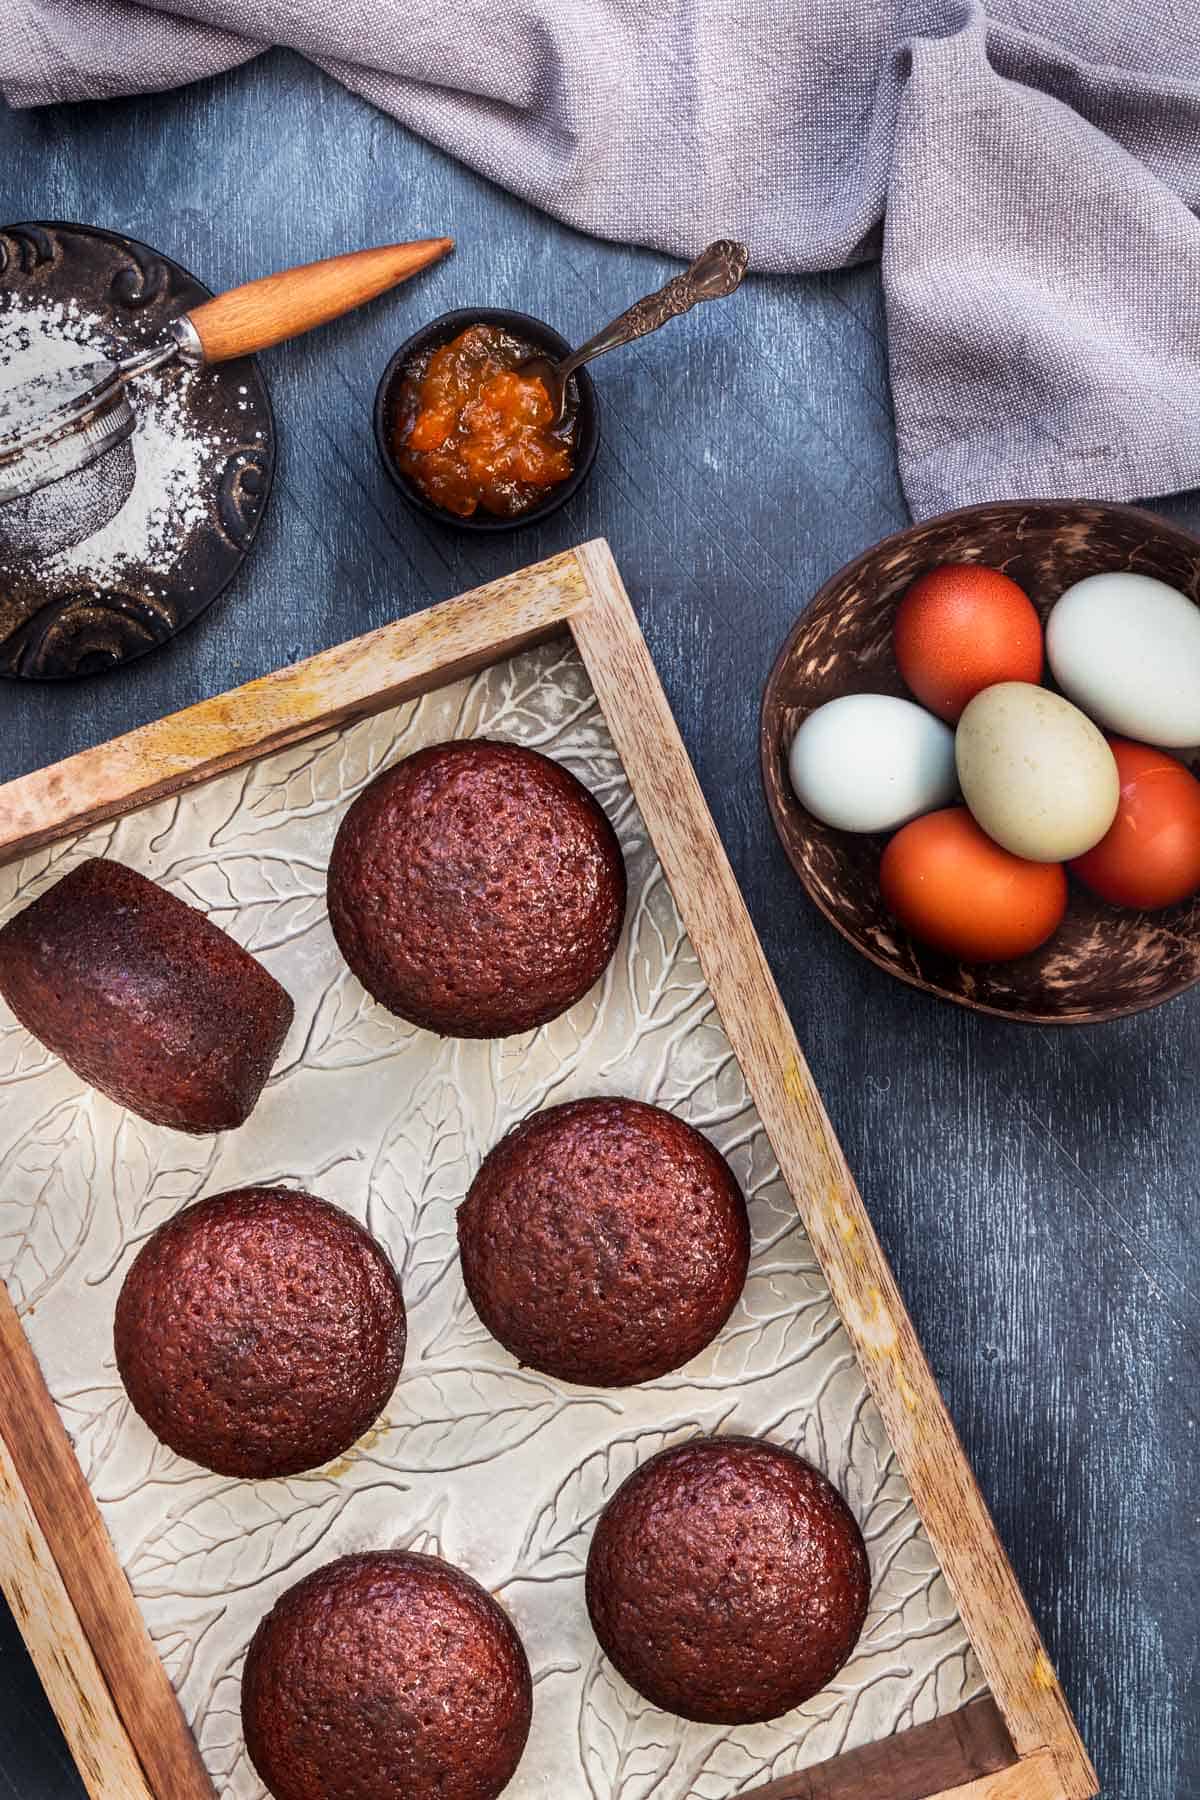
(66, 436)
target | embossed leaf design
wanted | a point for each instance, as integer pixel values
(817, 1428)
(457, 1418)
(539, 1069)
(49, 1177)
(868, 1473)
(348, 1029)
(660, 962)
(216, 1719)
(462, 1332)
(418, 1180)
(181, 1643)
(425, 1533)
(717, 1761)
(702, 1079)
(556, 1543)
(138, 1462)
(261, 899)
(783, 1316)
(152, 1180)
(94, 1417)
(119, 1455)
(21, 1056)
(774, 1220)
(231, 1538)
(337, 1178)
(313, 783)
(537, 706)
(22, 882)
(627, 1748)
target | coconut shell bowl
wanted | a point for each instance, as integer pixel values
(1103, 962)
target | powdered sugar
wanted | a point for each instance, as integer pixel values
(177, 464)
(42, 339)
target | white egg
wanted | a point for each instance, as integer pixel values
(1126, 648)
(870, 762)
(1037, 775)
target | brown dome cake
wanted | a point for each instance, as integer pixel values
(386, 1676)
(604, 1242)
(144, 998)
(727, 1580)
(260, 1332)
(477, 889)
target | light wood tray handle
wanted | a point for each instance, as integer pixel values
(265, 312)
(41, 1457)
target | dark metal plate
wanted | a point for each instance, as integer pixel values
(53, 626)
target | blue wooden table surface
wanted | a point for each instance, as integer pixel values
(1036, 1190)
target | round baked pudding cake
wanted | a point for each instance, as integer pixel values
(386, 1676)
(260, 1332)
(477, 889)
(604, 1242)
(727, 1580)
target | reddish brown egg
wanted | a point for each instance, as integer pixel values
(1150, 855)
(952, 887)
(960, 628)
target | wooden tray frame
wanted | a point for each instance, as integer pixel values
(58, 1568)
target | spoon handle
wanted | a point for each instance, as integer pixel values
(282, 306)
(716, 272)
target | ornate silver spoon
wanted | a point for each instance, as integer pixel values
(715, 273)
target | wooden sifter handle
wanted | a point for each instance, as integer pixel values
(283, 306)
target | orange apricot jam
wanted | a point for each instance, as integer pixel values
(473, 433)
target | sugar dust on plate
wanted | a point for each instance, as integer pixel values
(175, 463)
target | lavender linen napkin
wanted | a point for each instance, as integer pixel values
(1028, 169)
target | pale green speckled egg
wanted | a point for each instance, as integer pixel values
(1035, 772)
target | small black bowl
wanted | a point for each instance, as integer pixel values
(530, 331)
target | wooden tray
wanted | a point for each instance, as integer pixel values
(58, 1566)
